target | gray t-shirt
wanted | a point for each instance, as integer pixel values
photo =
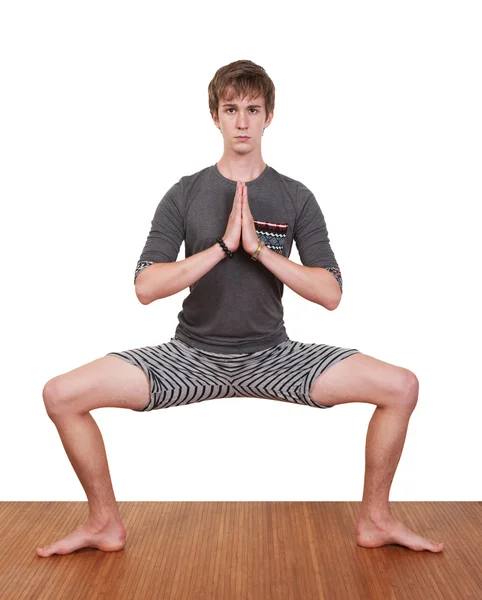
(236, 306)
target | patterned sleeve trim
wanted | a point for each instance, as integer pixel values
(337, 274)
(141, 264)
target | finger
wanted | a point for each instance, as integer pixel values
(235, 202)
(240, 202)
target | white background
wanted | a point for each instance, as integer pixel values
(104, 107)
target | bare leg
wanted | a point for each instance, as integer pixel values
(394, 391)
(385, 440)
(384, 444)
(83, 443)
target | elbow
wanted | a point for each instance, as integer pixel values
(334, 304)
(140, 284)
(143, 299)
(335, 288)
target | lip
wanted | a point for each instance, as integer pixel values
(242, 137)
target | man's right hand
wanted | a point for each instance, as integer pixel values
(232, 235)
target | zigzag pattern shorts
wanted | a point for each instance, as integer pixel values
(180, 374)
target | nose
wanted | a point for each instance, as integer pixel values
(242, 120)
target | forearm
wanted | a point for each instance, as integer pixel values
(161, 280)
(312, 283)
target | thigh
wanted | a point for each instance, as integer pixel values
(106, 381)
(142, 379)
(178, 374)
(286, 371)
(363, 378)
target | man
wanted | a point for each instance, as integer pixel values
(230, 339)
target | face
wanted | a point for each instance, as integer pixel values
(240, 117)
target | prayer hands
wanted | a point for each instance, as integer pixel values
(248, 232)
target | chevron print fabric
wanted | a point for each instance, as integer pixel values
(180, 374)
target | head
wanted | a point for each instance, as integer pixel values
(241, 102)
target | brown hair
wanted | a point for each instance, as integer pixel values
(240, 78)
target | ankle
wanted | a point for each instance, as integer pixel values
(375, 516)
(99, 521)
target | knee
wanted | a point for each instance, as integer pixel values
(54, 396)
(407, 387)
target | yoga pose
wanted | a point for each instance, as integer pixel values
(238, 219)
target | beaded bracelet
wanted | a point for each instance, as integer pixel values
(224, 247)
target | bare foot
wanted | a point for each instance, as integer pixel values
(109, 537)
(372, 534)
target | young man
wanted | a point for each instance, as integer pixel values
(238, 218)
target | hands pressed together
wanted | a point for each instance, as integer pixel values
(240, 228)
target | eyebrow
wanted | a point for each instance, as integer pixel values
(250, 106)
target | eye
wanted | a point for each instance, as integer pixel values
(228, 109)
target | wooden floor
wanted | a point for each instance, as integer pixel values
(241, 550)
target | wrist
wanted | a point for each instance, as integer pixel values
(219, 251)
(257, 251)
(224, 248)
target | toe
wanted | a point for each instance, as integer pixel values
(437, 546)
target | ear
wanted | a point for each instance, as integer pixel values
(270, 118)
(215, 119)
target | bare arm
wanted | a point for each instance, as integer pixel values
(312, 283)
(161, 280)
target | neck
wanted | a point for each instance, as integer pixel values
(244, 169)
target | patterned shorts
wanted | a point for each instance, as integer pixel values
(180, 374)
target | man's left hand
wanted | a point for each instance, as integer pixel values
(248, 232)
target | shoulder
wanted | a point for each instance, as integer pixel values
(182, 189)
(297, 190)
(179, 191)
(288, 182)
(187, 181)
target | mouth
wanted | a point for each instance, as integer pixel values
(242, 137)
